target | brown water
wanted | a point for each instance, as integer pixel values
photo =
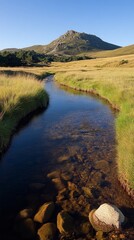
(75, 139)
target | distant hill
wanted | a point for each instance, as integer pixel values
(10, 50)
(128, 50)
(73, 43)
(36, 48)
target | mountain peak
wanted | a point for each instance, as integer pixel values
(72, 43)
(70, 32)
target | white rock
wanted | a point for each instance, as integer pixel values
(110, 215)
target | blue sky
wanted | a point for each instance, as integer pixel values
(28, 22)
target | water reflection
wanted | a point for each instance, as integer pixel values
(74, 142)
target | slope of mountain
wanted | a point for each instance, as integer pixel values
(128, 50)
(36, 48)
(72, 43)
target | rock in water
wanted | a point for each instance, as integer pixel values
(44, 213)
(47, 231)
(58, 183)
(25, 213)
(64, 222)
(26, 229)
(110, 215)
(106, 218)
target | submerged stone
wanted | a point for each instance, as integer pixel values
(64, 222)
(26, 229)
(85, 228)
(103, 166)
(45, 212)
(47, 231)
(25, 213)
(87, 191)
(63, 194)
(72, 186)
(58, 183)
(63, 158)
(99, 235)
(66, 176)
(54, 174)
(74, 194)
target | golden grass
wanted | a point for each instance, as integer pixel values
(19, 95)
(128, 50)
(84, 65)
(117, 85)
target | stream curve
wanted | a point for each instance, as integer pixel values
(74, 137)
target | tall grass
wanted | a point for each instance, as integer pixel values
(19, 96)
(117, 85)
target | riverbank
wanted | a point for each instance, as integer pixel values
(19, 96)
(117, 88)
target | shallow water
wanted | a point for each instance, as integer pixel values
(74, 136)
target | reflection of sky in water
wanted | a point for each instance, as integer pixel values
(74, 110)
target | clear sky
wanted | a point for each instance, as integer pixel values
(28, 22)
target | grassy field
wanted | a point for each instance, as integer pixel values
(19, 96)
(128, 50)
(112, 78)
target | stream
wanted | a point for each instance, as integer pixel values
(71, 145)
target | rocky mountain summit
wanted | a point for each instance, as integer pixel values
(73, 42)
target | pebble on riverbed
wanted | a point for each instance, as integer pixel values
(26, 229)
(47, 231)
(64, 222)
(25, 213)
(44, 213)
(106, 219)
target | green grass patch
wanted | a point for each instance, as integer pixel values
(19, 96)
(118, 87)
